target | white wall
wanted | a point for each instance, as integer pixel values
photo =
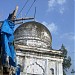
(40, 65)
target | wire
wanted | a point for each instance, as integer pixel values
(30, 8)
(22, 8)
(34, 13)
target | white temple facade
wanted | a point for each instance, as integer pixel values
(33, 44)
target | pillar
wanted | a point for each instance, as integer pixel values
(46, 67)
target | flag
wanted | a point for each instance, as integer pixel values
(7, 30)
(18, 70)
(0, 43)
(11, 62)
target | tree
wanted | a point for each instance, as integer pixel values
(66, 61)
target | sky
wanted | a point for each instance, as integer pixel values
(56, 15)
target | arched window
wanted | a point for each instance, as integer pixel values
(52, 71)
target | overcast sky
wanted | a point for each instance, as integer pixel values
(56, 15)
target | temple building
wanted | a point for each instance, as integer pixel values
(35, 55)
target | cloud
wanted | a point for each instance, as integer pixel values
(52, 27)
(57, 5)
(61, 2)
(69, 36)
(51, 3)
(61, 10)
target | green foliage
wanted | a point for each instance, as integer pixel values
(64, 73)
(66, 61)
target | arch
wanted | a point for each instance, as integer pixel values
(37, 69)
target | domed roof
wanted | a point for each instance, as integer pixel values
(33, 34)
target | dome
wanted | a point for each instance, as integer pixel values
(33, 34)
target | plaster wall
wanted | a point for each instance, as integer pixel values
(39, 65)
